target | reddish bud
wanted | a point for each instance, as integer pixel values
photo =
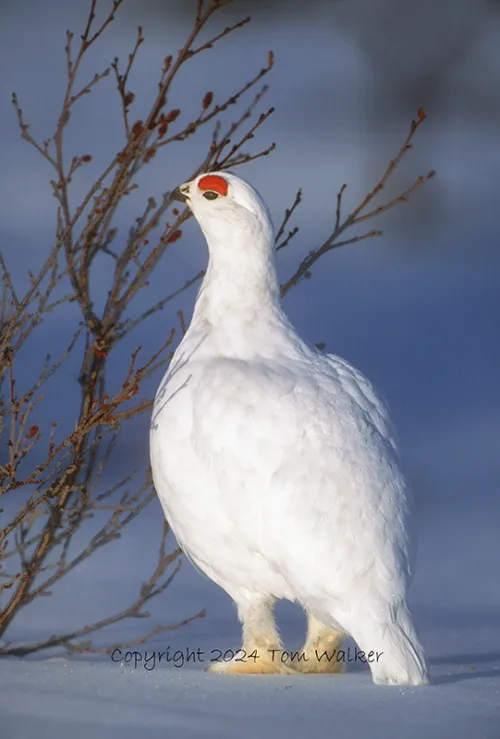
(128, 99)
(149, 155)
(421, 114)
(175, 211)
(172, 116)
(162, 130)
(33, 431)
(270, 59)
(137, 128)
(207, 100)
(86, 158)
(167, 63)
(174, 236)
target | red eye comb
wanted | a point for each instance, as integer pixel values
(213, 182)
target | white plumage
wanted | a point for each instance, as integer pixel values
(277, 466)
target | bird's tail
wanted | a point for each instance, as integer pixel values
(403, 661)
(391, 645)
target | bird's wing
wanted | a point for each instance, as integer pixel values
(360, 389)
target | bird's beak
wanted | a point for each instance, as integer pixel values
(181, 193)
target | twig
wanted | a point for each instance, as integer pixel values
(288, 215)
(357, 216)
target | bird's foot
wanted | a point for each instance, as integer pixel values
(255, 662)
(321, 656)
(310, 663)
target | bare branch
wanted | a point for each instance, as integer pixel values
(281, 229)
(357, 215)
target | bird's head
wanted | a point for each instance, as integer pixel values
(228, 209)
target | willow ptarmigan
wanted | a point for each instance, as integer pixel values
(276, 465)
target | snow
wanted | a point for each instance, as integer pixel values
(57, 699)
(456, 600)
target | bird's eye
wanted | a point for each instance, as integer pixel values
(210, 195)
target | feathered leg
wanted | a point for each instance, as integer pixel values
(318, 655)
(261, 652)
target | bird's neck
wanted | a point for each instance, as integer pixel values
(240, 282)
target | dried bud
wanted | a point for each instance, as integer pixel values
(167, 63)
(162, 129)
(150, 154)
(270, 59)
(174, 237)
(33, 431)
(128, 99)
(137, 129)
(172, 116)
(86, 158)
(175, 211)
(207, 100)
(421, 114)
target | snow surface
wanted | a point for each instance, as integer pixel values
(456, 599)
(57, 699)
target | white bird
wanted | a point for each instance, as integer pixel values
(277, 466)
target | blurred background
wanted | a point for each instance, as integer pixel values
(417, 310)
